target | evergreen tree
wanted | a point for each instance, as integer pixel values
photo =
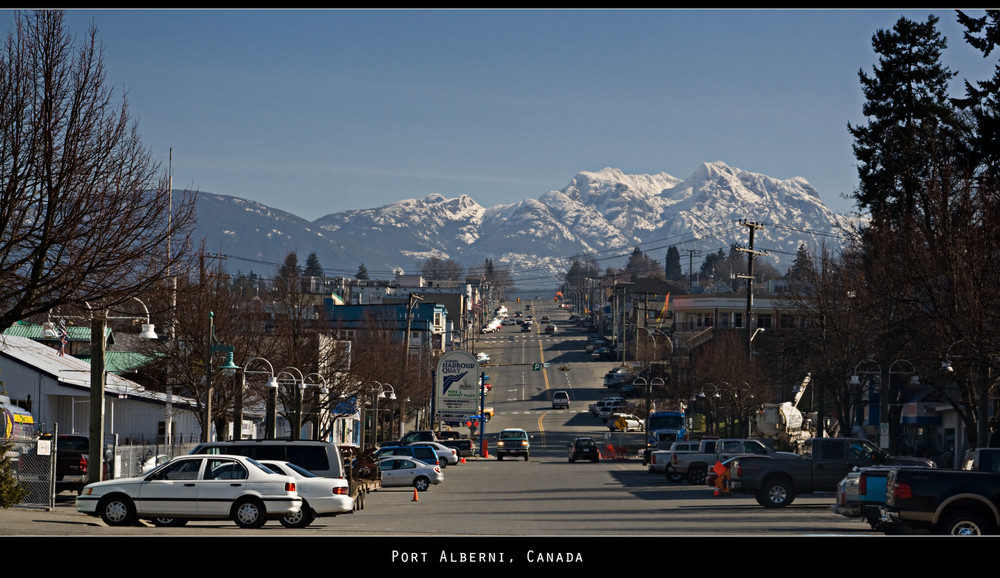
(672, 269)
(908, 113)
(983, 98)
(362, 274)
(313, 268)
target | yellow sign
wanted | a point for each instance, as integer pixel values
(621, 423)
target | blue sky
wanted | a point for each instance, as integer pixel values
(314, 112)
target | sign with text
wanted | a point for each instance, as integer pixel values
(456, 388)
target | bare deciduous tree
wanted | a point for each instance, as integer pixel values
(83, 216)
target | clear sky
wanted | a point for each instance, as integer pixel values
(319, 111)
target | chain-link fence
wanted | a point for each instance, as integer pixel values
(130, 461)
(34, 465)
(34, 471)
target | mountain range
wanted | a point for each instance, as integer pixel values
(605, 214)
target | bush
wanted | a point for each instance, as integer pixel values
(11, 492)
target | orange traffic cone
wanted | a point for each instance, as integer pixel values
(415, 499)
(463, 460)
(486, 450)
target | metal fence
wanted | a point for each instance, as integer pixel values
(130, 461)
(35, 470)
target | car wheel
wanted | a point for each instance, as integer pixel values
(775, 494)
(696, 474)
(249, 513)
(300, 519)
(168, 522)
(442, 464)
(964, 523)
(421, 484)
(117, 510)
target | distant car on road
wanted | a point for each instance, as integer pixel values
(560, 400)
(584, 449)
(624, 422)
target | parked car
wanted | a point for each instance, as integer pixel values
(482, 357)
(320, 496)
(628, 420)
(72, 456)
(513, 442)
(205, 487)
(560, 399)
(406, 471)
(418, 451)
(448, 454)
(584, 449)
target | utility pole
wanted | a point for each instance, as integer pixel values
(751, 253)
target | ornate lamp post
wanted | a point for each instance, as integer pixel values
(229, 368)
(272, 388)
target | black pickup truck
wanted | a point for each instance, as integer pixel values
(775, 482)
(952, 502)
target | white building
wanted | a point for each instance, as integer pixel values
(56, 390)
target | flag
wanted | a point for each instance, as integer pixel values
(663, 314)
(63, 338)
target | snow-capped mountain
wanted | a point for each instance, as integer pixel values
(605, 214)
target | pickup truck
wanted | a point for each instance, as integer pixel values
(660, 459)
(861, 494)
(464, 446)
(825, 461)
(695, 465)
(952, 502)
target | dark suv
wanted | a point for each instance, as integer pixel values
(584, 449)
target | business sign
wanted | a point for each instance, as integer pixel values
(456, 387)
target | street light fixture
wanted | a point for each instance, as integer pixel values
(296, 420)
(272, 388)
(323, 390)
(228, 368)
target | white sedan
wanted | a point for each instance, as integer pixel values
(483, 357)
(320, 496)
(203, 487)
(624, 422)
(406, 471)
(448, 454)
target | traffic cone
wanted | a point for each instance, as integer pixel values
(716, 491)
(463, 460)
(486, 450)
(415, 499)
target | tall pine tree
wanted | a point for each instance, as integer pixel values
(908, 113)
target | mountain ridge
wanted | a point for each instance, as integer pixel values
(605, 212)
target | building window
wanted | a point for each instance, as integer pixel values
(737, 320)
(764, 320)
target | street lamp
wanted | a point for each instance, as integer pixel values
(296, 421)
(228, 368)
(98, 362)
(272, 388)
(874, 390)
(323, 390)
(380, 395)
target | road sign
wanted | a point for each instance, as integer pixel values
(621, 423)
(457, 387)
